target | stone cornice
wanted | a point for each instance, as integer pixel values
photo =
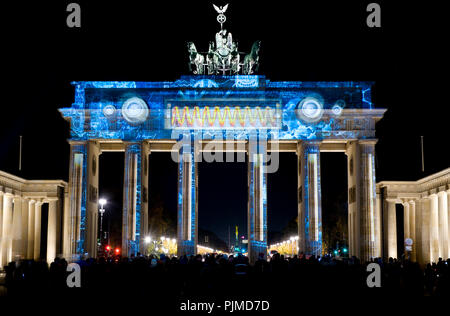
(33, 188)
(439, 181)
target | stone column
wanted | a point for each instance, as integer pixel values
(93, 152)
(406, 224)
(443, 225)
(30, 235)
(257, 204)
(53, 230)
(310, 207)
(353, 174)
(77, 198)
(434, 227)
(369, 242)
(24, 236)
(37, 230)
(390, 228)
(412, 229)
(448, 217)
(417, 247)
(144, 197)
(6, 230)
(187, 230)
(425, 205)
(378, 225)
(66, 231)
(1, 228)
(16, 233)
(131, 199)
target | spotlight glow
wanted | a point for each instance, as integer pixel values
(135, 110)
(310, 109)
(109, 110)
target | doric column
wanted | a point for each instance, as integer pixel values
(448, 217)
(412, 229)
(443, 225)
(257, 201)
(1, 228)
(434, 227)
(53, 229)
(30, 235)
(378, 225)
(16, 233)
(77, 197)
(6, 230)
(66, 230)
(131, 199)
(187, 201)
(37, 230)
(310, 206)
(406, 225)
(425, 206)
(92, 170)
(144, 199)
(390, 228)
(370, 243)
(353, 158)
(24, 236)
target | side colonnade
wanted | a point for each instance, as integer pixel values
(21, 204)
(426, 216)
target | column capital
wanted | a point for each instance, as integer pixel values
(50, 199)
(369, 142)
(132, 146)
(309, 146)
(74, 142)
(392, 200)
(8, 194)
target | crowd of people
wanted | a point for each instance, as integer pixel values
(216, 275)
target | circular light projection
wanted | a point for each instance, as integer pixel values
(135, 110)
(310, 109)
(337, 110)
(109, 110)
(337, 107)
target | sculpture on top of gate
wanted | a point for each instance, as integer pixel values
(223, 56)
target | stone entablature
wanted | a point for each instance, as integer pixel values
(38, 189)
(434, 183)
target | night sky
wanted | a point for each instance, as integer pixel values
(302, 41)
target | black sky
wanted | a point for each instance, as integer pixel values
(303, 40)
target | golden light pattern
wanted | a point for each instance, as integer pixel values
(224, 117)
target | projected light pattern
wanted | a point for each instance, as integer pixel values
(216, 117)
(135, 111)
(287, 110)
(310, 109)
(239, 107)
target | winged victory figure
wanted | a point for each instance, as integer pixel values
(221, 10)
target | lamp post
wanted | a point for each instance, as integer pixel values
(102, 203)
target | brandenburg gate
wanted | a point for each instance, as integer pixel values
(215, 113)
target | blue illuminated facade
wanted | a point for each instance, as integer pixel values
(237, 107)
(99, 109)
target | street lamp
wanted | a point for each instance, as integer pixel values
(102, 203)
